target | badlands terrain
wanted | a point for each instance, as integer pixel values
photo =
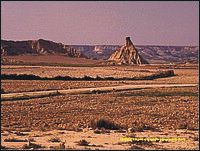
(154, 54)
(62, 98)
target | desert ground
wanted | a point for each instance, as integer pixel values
(72, 121)
(61, 60)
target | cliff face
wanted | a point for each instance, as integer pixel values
(39, 47)
(127, 54)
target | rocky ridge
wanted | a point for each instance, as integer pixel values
(39, 47)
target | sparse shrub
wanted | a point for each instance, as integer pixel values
(48, 134)
(134, 147)
(196, 138)
(31, 139)
(140, 127)
(77, 129)
(164, 141)
(110, 78)
(97, 131)
(32, 145)
(60, 146)
(183, 126)
(142, 142)
(87, 78)
(4, 134)
(25, 146)
(149, 127)
(83, 142)
(20, 133)
(103, 123)
(25, 130)
(98, 78)
(55, 139)
(61, 128)
(3, 147)
(192, 127)
(87, 148)
(131, 135)
(101, 131)
(120, 131)
(14, 140)
(36, 135)
(137, 128)
(96, 91)
(61, 132)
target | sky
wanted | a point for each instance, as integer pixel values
(102, 22)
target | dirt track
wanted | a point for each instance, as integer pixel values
(28, 95)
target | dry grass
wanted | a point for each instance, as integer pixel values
(127, 110)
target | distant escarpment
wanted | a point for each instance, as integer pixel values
(154, 54)
(38, 47)
(127, 54)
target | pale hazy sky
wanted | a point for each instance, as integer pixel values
(101, 22)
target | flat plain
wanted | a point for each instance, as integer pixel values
(153, 112)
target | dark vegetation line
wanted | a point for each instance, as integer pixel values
(163, 74)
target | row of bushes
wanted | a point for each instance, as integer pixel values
(85, 78)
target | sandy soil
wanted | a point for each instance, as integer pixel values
(167, 112)
(47, 59)
(111, 140)
(40, 94)
(109, 71)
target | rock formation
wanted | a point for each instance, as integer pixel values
(39, 47)
(127, 54)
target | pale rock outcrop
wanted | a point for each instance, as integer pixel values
(127, 54)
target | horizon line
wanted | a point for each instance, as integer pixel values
(102, 44)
